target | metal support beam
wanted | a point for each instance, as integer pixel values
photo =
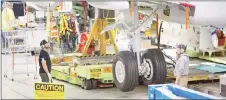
(137, 36)
(136, 24)
(136, 33)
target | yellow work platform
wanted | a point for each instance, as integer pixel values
(195, 75)
(221, 60)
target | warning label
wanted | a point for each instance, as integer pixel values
(95, 73)
(48, 91)
(95, 70)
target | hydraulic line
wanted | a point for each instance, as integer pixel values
(157, 24)
(159, 37)
(173, 64)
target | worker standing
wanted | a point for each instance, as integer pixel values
(29, 15)
(45, 62)
(8, 19)
(181, 70)
(73, 35)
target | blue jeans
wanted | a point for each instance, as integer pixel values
(3, 37)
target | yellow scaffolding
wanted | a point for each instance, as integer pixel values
(98, 26)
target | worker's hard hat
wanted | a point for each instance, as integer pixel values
(182, 46)
(43, 42)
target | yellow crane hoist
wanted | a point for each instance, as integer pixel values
(98, 26)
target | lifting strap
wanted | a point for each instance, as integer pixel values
(187, 7)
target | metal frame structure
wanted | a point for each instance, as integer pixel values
(98, 25)
(132, 27)
(10, 38)
(81, 68)
(14, 53)
(137, 29)
(134, 62)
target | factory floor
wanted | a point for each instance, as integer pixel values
(23, 86)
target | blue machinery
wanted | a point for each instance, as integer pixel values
(172, 91)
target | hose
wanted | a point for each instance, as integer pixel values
(173, 64)
(159, 37)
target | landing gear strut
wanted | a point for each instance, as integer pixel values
(150, 65)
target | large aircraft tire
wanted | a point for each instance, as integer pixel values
(125, 71)
(157, 63)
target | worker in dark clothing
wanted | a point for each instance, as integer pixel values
(181, 70)
(64, 43)
(73, 35)
(45, 62)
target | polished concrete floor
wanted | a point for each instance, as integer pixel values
(23, 86)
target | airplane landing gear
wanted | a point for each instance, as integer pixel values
(126, 71)
(155, 65)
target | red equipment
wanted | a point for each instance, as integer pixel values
(82, 44)
(141, 16)
(221, 38)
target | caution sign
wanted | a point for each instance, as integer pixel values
(49, 91)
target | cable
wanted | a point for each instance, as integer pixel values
(168, 57)
(158, 43)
